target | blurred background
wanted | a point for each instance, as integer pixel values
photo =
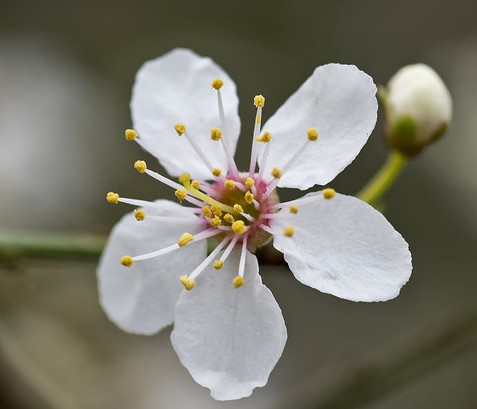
(66, 71)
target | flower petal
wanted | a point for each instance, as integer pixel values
(141, 299)
(339, 101)
(229, 339)
(176, 88)
(343, 246)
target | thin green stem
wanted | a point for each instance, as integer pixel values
(15, 245)
(384, 179)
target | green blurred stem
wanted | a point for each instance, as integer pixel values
(384, 179)
(15, 245)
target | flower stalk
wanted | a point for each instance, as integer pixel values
(382, 181)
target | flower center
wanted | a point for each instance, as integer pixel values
(236, 209)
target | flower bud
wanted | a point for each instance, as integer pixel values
(418, 109)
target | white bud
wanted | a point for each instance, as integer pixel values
(418, 108)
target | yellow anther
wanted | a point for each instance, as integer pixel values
(238, 208)
(294, 209)
(195, 184)
(217, 84)
(127, 261)
(139, 215)
(184, 178)
(216, 172)
(229, 218)
(215, 134)
(259, 101)
(112, 197)
(249, 182)
(249, 197)
(266, 137)
(130, 134)
(312, 134)
(238, 281)
(289, 231)
(188, 283)
(229, 184)
(185, 239)
(329, 193)
(216, 221)
(180, 129)
(277, 173)
(238, 227)
(140, 166)
(216, 210)
(218, 264)
(206, 211)
(181, 194)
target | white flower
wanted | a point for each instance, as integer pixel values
(418, 108)
(229, 331)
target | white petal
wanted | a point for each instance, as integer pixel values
(339, 101)
(343, 246)
(176, 88)
(141, 299)
(229, 339)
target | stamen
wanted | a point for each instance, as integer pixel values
(294, 209)
(289, 231)
(112, 197)
(238, 281)
(312, 136)
(181, 194)
(140, 166)
(238, 208)
(215, 134)
(187, 282)
(130, 134)
(209, 258)
(249, 182)
(127, 261)
(329, 193)
(238, 227)
(217, 84)
(194, 145)
(206, 211)
(216, 210)
(276, 173)
(216, 221)
(229, 249)
(259, 102)
(195, 184)
(185, 239)
(249, 198)
(266, 137)
(145, 203)
(139, 215)
(229, 218)
(180, 129)
(232, 167)
(229, 184)
(216, 172)
(218, 264)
